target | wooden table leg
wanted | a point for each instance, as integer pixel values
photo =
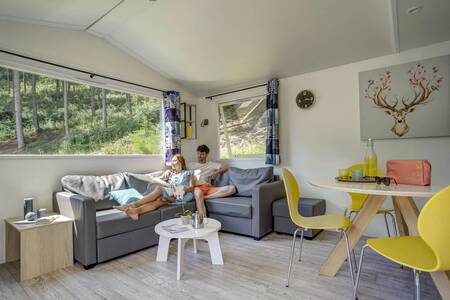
(401, 225)
(410, 214)
(360, 223)
(12, 246)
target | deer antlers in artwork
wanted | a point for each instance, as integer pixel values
(423, 86)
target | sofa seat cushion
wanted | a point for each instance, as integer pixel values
(308, 207)
(231, 206)
(112, 221)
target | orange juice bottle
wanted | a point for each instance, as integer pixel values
(370, 160)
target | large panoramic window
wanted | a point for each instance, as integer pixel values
(42, 115)
(242, 127)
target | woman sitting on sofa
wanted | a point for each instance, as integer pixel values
(164, 193)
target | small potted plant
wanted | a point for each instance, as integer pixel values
(186, 217)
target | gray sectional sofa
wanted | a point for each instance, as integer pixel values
(103, 233)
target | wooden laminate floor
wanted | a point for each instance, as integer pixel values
(252, 270)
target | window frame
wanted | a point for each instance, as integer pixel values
(237, 99)
(41, 69)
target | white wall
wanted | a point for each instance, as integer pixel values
(40, 176)
(318, 141)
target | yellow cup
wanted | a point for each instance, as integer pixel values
(343, 173)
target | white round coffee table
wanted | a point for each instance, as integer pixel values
(209, 233)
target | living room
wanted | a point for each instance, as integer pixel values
(225, 60)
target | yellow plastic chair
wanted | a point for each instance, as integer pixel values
(428, 252)
(358, 200)
(337, 222)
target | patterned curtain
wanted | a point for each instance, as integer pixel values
(171, 124)
(272, 138)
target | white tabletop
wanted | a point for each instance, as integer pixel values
(210, 227)
(376, 189)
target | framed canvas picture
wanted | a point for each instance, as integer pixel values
(406, 101)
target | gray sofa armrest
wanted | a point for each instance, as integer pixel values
(82, 210)
(262, 197)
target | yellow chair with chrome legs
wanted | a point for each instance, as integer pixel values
(337, 222)
(428, 252)
(358, 200)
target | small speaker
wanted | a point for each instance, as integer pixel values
(27, 206)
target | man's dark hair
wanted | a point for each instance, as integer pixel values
(203, 148)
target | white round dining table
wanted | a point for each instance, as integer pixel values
(406, 215)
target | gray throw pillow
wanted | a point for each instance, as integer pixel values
(95, 187)
(141, 182)
(246, 179)
(222, 180)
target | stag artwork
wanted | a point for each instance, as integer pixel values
(423, 84)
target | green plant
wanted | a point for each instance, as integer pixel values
(187, 213)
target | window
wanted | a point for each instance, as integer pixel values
(61, 117)
(242, 128)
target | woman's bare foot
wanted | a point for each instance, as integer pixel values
(132, 213)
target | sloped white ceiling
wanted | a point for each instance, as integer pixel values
(431, 24)
(61, 13)
(215, 45)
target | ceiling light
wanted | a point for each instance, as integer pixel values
(413, 10)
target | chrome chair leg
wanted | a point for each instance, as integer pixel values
(355, 288)
(354, 261)
(417, 284)
(292, 256)
(394, 222)
(301, 244)
(387, 225)
(349, 258)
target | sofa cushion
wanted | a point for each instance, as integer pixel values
(308, 207)
(246, 179)
(95, 187)
(231, 206)
(105, 204)
(141, 182)
(112, 221)
(222, 180)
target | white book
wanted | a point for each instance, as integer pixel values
(175, 228)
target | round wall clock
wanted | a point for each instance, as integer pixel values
(305, 99)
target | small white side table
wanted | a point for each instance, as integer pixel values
(209, 233)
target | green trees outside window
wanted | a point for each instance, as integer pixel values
(42, 115)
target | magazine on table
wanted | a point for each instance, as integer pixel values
(176, 228)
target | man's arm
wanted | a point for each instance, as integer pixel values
(222, 169)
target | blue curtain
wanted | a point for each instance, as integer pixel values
(171, 124)
(272, 138)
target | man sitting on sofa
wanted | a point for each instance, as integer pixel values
(204, 172)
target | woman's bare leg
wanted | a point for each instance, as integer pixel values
(134, 212)
(155, 194)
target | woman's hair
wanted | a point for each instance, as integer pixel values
(181, 160)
